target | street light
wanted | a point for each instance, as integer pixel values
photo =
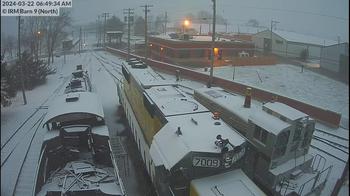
(38, 47)
(186, 24)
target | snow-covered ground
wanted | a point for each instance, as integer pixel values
(283, 79)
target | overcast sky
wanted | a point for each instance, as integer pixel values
(322, 18)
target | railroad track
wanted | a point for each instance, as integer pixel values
(329, 154)
(103, 62)
(20, 129)
(332, 144)
(331, 134)
(38, 123)
(19, 141)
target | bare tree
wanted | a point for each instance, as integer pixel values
(159, 23)
(253, 23)
(55, 32)
(7, 45)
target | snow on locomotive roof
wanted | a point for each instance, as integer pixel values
(79, 102)
(147, 77)
(285, 110)
(229, 184)
(197, 133)
(233, 103)
(171, 101)
(268, 122)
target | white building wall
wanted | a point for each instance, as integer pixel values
(282, 47)
(279, 46)
(258, 41)
(278, 43)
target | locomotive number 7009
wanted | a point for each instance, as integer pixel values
(205, 162)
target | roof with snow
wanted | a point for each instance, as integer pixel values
(244, 29)
(196, 124)
(228, 184)
(268, 122)
(198, 134)
(285, 110)
(302, 38)
(146, 77)
(172, 101)
(234, 103)
(201, 38)
(230, 101)
(74, 103)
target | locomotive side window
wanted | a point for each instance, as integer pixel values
(281, 144)
(260, 134)
(297, 133)
(307, 139)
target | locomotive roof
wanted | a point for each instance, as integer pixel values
(146, 77)
(82, 102)
(198, 134)
(234, 103)
(285, 110)
(172, 101)
(268, 122)
(229, 184)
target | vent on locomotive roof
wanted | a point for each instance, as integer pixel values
(72, 98)
(139, 65)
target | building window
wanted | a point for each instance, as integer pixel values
(260, 134)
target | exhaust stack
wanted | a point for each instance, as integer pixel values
(248, 97)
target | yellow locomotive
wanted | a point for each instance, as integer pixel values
(186, 149)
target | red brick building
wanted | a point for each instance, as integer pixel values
(196, 51)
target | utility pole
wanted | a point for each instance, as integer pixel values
(166, 20)
(146, 33)
(105, 15)
(80, 40)
(99, 31)
(273, 23)
(212, 45)
(20, 60)
(129, 13)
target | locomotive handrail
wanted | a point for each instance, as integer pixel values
(316, 179)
